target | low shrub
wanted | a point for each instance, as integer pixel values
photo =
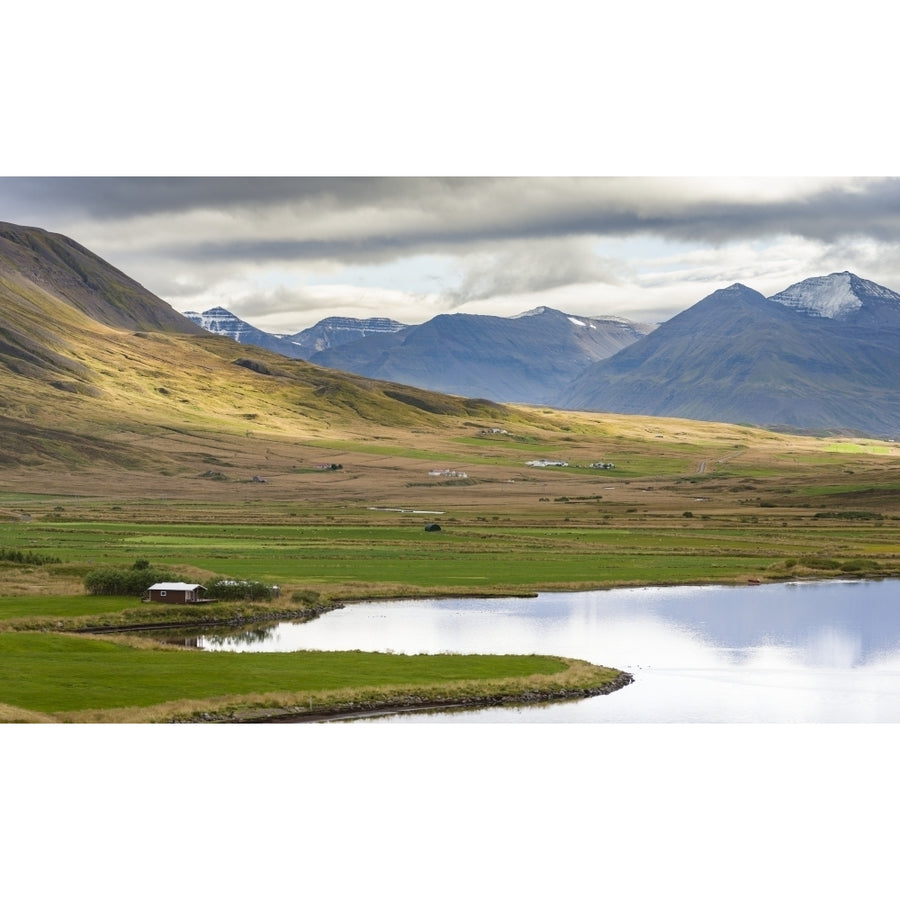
(850, 514)
(124, 582)
(229, 589)
(859, 565)
(819, 562)
(27, 558)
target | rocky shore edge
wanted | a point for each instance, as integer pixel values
(408, 703)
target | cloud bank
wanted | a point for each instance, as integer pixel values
(286, 252)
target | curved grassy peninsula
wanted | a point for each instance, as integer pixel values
(81, 678)
(82, 659)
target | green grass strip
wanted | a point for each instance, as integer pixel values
(52, 673)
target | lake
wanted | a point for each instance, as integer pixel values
(811, 652)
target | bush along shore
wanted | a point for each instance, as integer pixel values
(153, 616)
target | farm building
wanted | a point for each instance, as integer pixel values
(175, 592)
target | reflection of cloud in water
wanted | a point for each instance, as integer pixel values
(888, 661)
(823, 648)
(823, 625)
(837, 623)
(767, 656)
(833, 648)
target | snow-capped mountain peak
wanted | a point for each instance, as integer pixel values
(583, 322)
(834, 296)
(537, 311)
(218, 320)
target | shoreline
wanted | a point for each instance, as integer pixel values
(410, 704)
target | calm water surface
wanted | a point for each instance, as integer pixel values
(810, 652)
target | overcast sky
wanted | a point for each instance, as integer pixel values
(283, 253)
(379, 91)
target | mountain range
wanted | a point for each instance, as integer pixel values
(528, 358)
(823, 354)
(331, 332)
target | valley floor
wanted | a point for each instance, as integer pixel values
(342, 517)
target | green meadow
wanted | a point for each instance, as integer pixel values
(336, 559)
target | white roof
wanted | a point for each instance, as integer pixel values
(174, 586)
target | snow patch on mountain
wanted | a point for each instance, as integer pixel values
(580, 322)
(337, 330)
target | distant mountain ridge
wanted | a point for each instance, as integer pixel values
(526, 358)
(338, 330)
(523, 359)
(823, 354)
(219, 320)
(330, 332)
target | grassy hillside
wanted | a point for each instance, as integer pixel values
(34, 262)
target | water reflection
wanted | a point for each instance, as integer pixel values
(822, 652)
(246, 638)
(224, 637)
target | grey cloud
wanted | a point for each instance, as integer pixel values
(827, 216)
(875, 259)
(376, 248)
(287, 310)
(117, 198)
(533, 267)
(459, 212)
(468, 215)
(280, 300)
